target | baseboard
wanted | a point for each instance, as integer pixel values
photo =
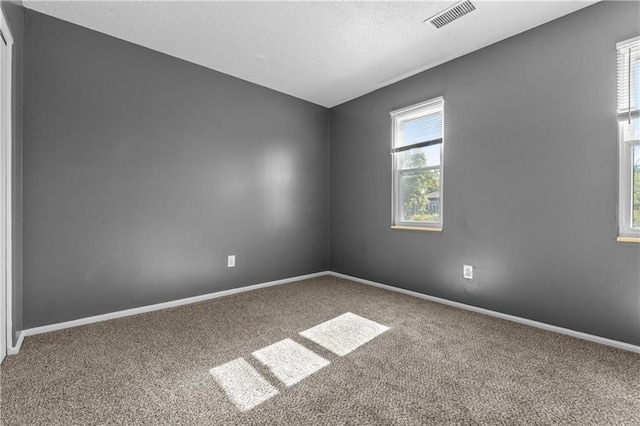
(532, 323)
(150, 308)
(16, 348)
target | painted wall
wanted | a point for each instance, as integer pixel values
(15, 15)
(142, 173)
(530, 180)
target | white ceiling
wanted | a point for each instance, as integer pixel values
(324, 52)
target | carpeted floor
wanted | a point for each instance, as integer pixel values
(434, 365)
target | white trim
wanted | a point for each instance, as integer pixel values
(15, 349)
(625, 184)
(164, 305)
(8, 220)
(6, 31)
(435, 103)
(525, 321)
(180, 302)
(627, 43)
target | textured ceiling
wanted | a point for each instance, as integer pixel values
(324, 52)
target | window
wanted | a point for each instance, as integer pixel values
(416, 134)
(629, 138)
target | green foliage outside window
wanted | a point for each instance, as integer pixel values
(418, 187)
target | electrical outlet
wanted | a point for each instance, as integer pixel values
(231, 261)
(467, 272)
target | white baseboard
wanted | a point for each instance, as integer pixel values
(156, 307)
(135, 311)
(16, 348)
(532, 323)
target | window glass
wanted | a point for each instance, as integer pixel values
(420, 157)
(421, 196)
(631, 130)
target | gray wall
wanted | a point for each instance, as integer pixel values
(15, 15)
(530, 180)
(142, 173)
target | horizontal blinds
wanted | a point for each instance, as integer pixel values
(421, 129)
(629, 76)
(418, 126)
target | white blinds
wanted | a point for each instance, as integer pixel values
(629, 76)
(418, 125)
(421, 129)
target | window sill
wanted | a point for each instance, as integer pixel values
(628, 239)
(416, 228)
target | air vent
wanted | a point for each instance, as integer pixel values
(456, 11)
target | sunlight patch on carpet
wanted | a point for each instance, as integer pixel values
(244, 386)
(345, 333)
(289, 361)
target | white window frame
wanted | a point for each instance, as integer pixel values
(398, 116)
(626, 232)
(6, 284)
(626, 185)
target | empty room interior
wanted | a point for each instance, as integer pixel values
(315, 212)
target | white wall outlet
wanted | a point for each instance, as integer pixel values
(231, 261)
(467, 272)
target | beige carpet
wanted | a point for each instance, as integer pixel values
(434, 365)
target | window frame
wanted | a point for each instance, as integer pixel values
(398, 116)
(626, 231)
(625, 180)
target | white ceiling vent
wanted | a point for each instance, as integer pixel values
(451, 14)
